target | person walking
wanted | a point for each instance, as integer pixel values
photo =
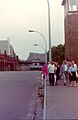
(64, 71)
(72, 73)
(51, 70)
(44, 74)
(57, 73)
(44, 71)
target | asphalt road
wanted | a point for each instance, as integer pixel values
(17, 92)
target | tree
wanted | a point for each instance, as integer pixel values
(58, 53)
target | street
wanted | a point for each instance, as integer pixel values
(17, 92)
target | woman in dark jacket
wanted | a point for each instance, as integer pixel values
(57, 74)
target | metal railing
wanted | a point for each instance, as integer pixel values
(44, 109)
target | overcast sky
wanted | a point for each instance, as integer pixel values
(18, 16)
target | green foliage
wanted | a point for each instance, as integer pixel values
(58, 53)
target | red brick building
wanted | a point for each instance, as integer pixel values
(71, 29)
(8, 63)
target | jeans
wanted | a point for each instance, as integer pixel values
(65, 76)
(51, 79)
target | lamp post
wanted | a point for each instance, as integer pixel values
(49, 31)
(40, 45)
(44, 50)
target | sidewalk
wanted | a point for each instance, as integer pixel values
(62, 102)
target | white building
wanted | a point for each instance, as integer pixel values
(6, 48)
(70, 5)
(12, 53)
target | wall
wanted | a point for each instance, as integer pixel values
(71, 35)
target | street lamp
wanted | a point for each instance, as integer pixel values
(49, 31)
(44, 50)
(40, 45)
(44, 112)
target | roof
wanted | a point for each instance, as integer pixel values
(63, 2)
(36, 57)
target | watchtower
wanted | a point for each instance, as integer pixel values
(71, 28)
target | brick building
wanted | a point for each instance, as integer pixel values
(8, 58)
(71, 28)
(8, 63)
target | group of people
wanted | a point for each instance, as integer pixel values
(67, 71)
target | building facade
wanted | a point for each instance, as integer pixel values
(6, 48)
(36, 61)
(8, 58)
(71, 29)
(8, 63)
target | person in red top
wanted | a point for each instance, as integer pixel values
(44, 70)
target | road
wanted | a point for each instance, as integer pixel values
(17, 92)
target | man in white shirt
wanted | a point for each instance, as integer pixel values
(51, 70)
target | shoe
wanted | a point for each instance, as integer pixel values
(56, 83)
(70, 85)
(75, 85)
(64, 83)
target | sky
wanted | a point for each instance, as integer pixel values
(19, 16)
